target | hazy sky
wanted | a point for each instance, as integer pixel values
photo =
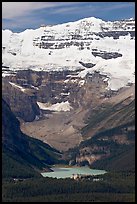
(19, 16)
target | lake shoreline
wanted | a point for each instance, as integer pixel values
(66, 171)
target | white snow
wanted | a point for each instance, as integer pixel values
(66, 81)
(17, 86)
(34, 87)
(37, 117)
(81, 82)
(65, 94)
(120, 70)
(63, 106)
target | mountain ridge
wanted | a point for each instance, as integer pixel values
(64, 46)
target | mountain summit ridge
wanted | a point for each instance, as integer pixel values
(110, 46)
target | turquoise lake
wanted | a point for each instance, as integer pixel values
(59, 172)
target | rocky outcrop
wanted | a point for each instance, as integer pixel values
(23, 105)
(23, 90)
(91, 93)
(87, 65)
(106, 55)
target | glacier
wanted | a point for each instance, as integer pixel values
(64, 46)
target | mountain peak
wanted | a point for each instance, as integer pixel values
(60, 47)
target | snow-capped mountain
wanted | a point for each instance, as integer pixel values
(89, 44)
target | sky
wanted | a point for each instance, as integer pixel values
(19, 16)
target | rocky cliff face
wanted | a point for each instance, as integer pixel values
(22, 104)
(25, 89)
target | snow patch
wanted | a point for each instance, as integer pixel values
(65, 94)
(17, 86)
(81, 82)
(63, 106)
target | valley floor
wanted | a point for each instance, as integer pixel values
(59, 129)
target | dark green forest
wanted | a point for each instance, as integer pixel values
(113, 187)
(22, 183)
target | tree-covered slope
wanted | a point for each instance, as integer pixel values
(109, 115)
(108, 138)
(123, 160)
(13, 166)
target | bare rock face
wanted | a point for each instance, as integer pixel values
(23, 90)
(106, 55)
(23, 105)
